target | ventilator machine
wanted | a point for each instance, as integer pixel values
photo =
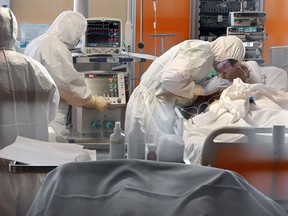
(106, 74)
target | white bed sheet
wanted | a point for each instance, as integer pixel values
(274, 77)
(234, 109)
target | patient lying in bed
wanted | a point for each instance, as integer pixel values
(268, 88)
(248, 72)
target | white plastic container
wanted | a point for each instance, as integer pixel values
(136, 141)
(117, 143)
(170, 148)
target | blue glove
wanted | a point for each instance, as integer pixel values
(213, 85)
(202, 81)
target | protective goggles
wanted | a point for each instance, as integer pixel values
(227, 65)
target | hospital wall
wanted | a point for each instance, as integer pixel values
(170, 19)
(276, 25)
(44, 12)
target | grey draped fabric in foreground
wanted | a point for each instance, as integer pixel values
(135, 187)
(17, 190)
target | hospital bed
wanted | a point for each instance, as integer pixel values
(260, 156)
(236, 132)
(278, 57)
(240, 105)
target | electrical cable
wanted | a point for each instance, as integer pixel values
(198, 108)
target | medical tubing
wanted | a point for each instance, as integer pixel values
(194, 107)
(101, 134)
(184, 109)
(155, 26)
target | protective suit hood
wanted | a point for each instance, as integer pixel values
(8, 29)
(67, 31)
(228, 47)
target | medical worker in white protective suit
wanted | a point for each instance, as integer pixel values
(28, 95)
(52, 49)
(28, 102)
(177, 77)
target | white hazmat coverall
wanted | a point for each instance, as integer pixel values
(28, 95)
(170, 80)
(28, 101)
(52, 49)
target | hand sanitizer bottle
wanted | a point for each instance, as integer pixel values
(136, 141)
(117, 143)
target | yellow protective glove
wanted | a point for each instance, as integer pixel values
(99, 103)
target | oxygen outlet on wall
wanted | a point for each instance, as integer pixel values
(108, 125)
(95, 124)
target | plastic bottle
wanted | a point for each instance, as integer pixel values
(117, 143)
(152, 154)
(136, 141)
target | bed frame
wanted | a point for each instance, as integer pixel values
(260, 156)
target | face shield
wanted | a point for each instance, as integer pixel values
(226, 66)
(240, 71)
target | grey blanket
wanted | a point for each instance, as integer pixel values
(138, 187)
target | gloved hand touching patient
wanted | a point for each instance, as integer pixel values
(99, 103)
(213, 85)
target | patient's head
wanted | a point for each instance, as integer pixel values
(248, 72)
(242, 71)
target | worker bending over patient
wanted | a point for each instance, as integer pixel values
(177, 77)
(52, 49)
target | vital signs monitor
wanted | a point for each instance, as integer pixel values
(102, 37)
(109, 85)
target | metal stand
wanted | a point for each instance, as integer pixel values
(162, 39)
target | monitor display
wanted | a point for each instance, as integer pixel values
(109, 85)
(103, 36)
(103, 84)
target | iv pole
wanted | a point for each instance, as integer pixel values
(141, 43)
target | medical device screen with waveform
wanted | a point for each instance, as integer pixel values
(103, 33)
(110, 86)
(102, 37)
(103, 84)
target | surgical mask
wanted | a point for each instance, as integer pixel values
(224, 66)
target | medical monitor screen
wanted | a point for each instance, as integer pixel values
(111, 86)
(103, 33)
(105, 85)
